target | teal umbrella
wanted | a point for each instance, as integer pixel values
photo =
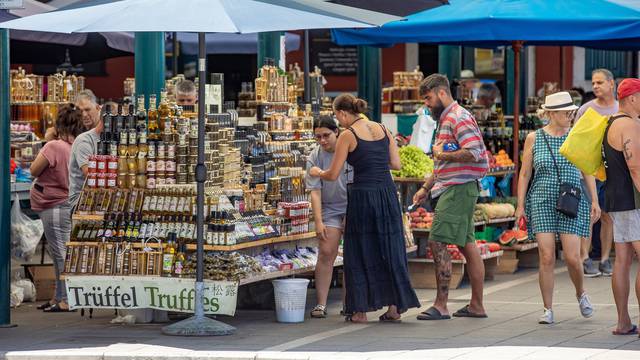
(201, 16)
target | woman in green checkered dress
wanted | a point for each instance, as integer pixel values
(538, 204)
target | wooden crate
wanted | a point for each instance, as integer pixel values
(518, 256)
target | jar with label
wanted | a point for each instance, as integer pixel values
(151, 181)
(151, 166)
(160, 180)
(101, 181)
(92, 164)
(141, 181)
(171, 151)
(161, 150)
(101, 163)
(131, 180)
(153, 147)
(122, 180)
(160, 165)
(122, 164)
(142, 165)
(112, 180)
(112, 164)
(170, 166)
(91, 179)
(170, 179)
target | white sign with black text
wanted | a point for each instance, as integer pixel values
(136, 292)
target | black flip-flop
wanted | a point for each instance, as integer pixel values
(632, 331)
(432, 314)
(385, 318)
(56, 308)
(465, 312)
(46, 305)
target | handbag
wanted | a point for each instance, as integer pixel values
(568, 201)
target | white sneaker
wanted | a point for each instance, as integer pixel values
(547, 317)
(586, 309)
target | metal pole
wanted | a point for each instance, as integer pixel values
(174, 54)
(201, 175)
(199, 325)
(517, 46)
(5, 191)
(307, 70)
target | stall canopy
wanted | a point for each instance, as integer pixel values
(228, 43)
(36, 47)
(606, 24)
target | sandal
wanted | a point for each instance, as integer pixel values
(56, 308)
(432, 314)
(632, 331)
(319, 312)
(46, 305)
(465, 312)
(385, 318)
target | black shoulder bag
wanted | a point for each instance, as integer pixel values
(569, 199)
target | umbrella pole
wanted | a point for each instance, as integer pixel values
(517, 46)
(307, 81)
(174, 53)
(200, 325)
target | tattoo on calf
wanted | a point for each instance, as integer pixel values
(626, 148)
(442, 260)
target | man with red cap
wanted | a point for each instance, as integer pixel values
(621, 146)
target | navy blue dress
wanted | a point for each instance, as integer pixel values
(375, 258)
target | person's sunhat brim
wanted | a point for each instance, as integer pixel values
(560, 107)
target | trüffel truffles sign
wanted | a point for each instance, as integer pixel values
(171, 294)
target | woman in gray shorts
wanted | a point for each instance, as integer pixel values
(329, 204)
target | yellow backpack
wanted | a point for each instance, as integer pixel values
(583, 146)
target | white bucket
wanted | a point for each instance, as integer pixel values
(291, 299)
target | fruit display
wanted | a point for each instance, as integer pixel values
(421, 219)
(495, 211)
(501, 161)
(511, 237)
(485, 249)
(415, 163)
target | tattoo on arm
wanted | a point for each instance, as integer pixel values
(626, 148)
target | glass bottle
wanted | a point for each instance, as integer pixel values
(164, 111)
(152, 116)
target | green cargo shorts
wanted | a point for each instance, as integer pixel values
(453, 220)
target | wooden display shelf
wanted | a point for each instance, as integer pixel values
(522, 255)
(257, 243)
(87, 217)
(422, 271)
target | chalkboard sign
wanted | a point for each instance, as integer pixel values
(332, 59)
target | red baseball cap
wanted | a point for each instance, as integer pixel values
(628, 87)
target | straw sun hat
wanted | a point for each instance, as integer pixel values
(560, 101)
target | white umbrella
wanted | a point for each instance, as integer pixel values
(226, 16)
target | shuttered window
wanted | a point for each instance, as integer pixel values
(618, 62)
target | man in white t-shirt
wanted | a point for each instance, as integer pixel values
(605, 103)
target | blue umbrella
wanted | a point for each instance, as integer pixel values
(608, 24)
(226, 16)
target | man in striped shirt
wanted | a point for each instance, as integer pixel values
(453, 191)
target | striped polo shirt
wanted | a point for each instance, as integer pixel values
(457, 125)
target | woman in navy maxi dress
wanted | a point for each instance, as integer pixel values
(375, 258)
